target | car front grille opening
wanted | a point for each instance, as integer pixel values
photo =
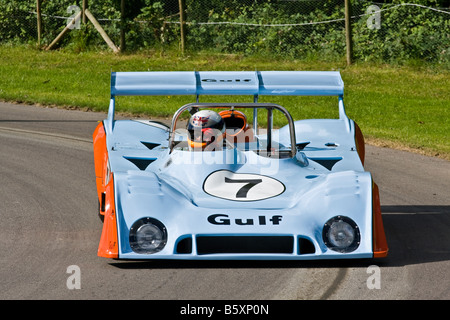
(184, 246)
(245, 244)
(305, 246)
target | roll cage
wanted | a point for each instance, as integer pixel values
(270, 107)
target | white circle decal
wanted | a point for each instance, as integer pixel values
(242, 186)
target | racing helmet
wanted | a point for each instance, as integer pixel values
(235, 121)
(205, 128)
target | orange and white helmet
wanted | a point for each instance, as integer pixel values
(235, 121)
(206, 129)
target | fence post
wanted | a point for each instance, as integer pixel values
(101, 31)
(122, 26)
(39, 20)
(182, 25)
(84, 11)
(348, 32)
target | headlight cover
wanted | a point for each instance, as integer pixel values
(341, 234)
(147, 236)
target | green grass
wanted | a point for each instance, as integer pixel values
(397, 106)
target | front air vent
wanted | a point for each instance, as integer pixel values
(141, 163)
(305, 246)
(326, 162)
(245, 244)
(184, 245)
(150, 145)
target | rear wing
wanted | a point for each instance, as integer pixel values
(253, 83)
(292, 83)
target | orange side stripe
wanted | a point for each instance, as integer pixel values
(100, 157)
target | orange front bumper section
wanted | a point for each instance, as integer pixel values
(380, 247)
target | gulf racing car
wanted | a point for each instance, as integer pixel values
(228, 183)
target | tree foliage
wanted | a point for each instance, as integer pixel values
(246, 26)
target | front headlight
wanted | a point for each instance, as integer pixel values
(341, 234)
(147, 236)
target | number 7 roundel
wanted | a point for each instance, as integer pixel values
(242, 186)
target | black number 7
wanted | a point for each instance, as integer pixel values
(249, 183)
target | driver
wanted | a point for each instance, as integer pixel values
(206, 131)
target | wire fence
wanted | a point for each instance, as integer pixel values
(298, 29)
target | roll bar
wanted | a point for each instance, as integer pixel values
(254, 106)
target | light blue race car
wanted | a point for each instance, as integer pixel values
(229, 184)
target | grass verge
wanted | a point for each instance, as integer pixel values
(406, 107)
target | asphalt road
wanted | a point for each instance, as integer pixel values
(49, 223)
